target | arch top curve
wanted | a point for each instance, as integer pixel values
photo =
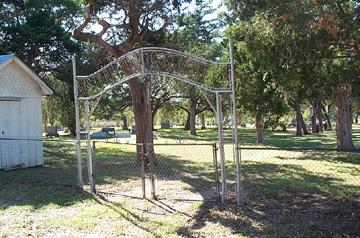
(203, 73)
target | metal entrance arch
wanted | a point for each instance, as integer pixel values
(162, 62)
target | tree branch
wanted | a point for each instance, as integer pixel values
(78, 32)
(181, 107)
(105, 26)
(124, 26)
(201, 109)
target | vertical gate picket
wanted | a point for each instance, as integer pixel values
(216, 171)
(151, 171)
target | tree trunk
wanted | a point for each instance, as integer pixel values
(187, 123)
(303, 125)
(357, 115)
(319, 115)
(192, 110)
(259, 125)
(343, 117)
(250, 120)
(72, 127)
(326, 110)
(140, 93)
(298, 119)
(203, 124)
(125, 126)
(313, 117)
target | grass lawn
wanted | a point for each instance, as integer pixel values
(286, 193)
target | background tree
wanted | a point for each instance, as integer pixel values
(196, 34)
(39, 33)
(162, 92)
(308, 45)
(124, 24)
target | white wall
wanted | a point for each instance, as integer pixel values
(20, 119)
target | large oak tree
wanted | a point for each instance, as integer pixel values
(123, 24)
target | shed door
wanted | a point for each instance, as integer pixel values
(10, 127)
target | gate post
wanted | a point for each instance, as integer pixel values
(151, 170)
(239, 197)
(221, 147)
(143, 171)
(90, 167)
(94, 164)
(77, 120)
(216, 170)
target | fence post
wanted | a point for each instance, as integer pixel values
(239, 197)
(151, 170)
(77, 119)
(90, 168)
(221, 147)
(94, 166)
(216, 170)
(143, 171)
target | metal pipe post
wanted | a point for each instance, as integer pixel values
(94, 164)
(221, 147)
(239, 197)
(143, 171)
(90, 167)
(216, 170)
(151, 170)
(77, 119)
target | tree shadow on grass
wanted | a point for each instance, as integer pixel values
(281, 200)
(285, 201)
(332, 156)
(266, 180)
(39, 187)
(118, 170)
(53, 183)
(124, 212)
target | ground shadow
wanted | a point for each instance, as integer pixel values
(53, 183)
(280, 199)
(286, 201)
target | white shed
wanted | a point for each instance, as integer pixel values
(21, 91)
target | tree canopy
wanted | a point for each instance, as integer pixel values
(309, 48)
(39, 32)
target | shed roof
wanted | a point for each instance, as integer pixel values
(3, 58)
(7, 59)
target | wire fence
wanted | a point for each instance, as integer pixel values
(60, 156)
(117, 168)
(288, 173)
(20, 153)
(187, 171)
(55, 160)
(190, 171)
(177, 171)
